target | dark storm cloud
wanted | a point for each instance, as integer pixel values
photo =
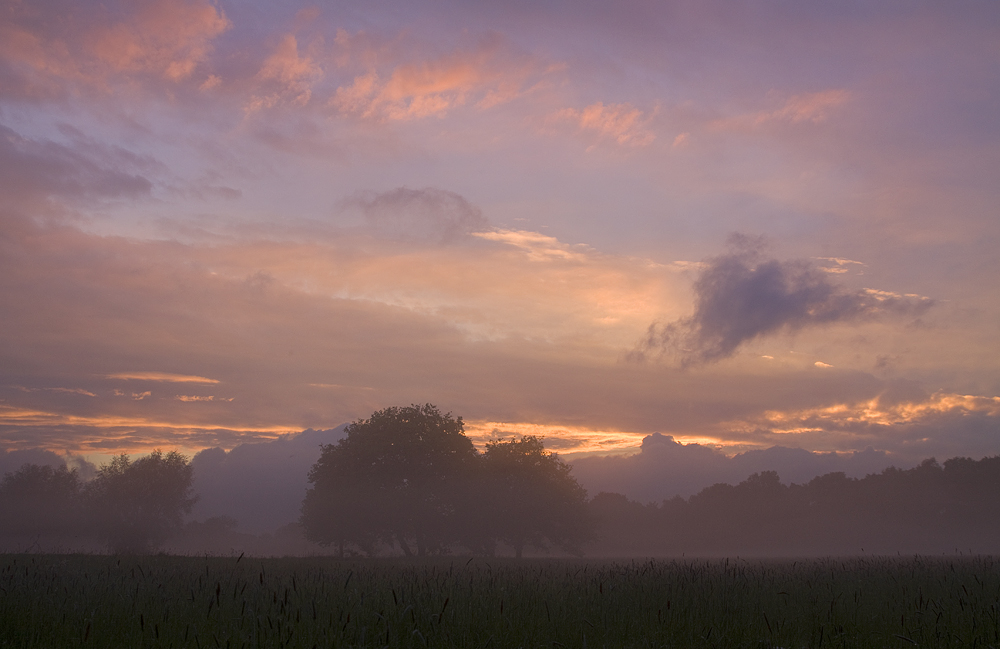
(741, 296)
(421, 214)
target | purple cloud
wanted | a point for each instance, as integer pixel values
(741, 296)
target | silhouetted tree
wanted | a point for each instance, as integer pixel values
(401, 476)
(138, 505)
(39, 501)
(533, 499)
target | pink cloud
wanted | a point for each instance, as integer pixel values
(288, 75)
(813, 108)
(165, 38)
(486, 76)
(622, 123)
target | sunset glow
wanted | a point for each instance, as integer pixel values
(224, 223)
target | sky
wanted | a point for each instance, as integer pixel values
(739, 225)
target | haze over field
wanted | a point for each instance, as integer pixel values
(630, 228)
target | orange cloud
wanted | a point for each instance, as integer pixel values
(290, 76)
(874, 412)
(167, 38)
(623, 123)
(194, 397)
(576, 440)
(537, 246)
(487, 76)
(160, 376)
(814, 107)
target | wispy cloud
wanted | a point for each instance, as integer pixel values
(622, 123)
(419, 214)
(484, 76)
(195, 397)
(160, 376)
(566, 440)
(811, 108)
(537, 246)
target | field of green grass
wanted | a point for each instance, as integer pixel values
(167, 601)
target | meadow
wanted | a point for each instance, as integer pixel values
(170, 601)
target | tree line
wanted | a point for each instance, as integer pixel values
(130, 506)
(407, 480)
(930, 509)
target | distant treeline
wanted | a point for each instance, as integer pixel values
(130, 506)
(928, 509)
(408, 481)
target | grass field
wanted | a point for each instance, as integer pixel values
(166, 601)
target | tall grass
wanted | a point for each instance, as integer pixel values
(161, 601)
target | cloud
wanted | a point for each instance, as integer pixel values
(623, 123)
(11, 461)
(812, 108)
(840, 266)
(537, 246)
(196, 397)
(427, 214)
(562, 439)
(880, 412)
(288, 75)
(262, 484)
(88, 46)
(665, 468)
(741, 296)
(84, 170)
(486, 75)
(160, 376)
(911, 427)
(165, 37)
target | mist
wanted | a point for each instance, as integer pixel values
(669, 499)
(664, 468)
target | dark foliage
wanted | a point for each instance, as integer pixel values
(41, 503)
(138, 505)
(409, 478)
(531, 498)
(928, 509)
(398, 478)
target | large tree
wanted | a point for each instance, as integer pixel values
(532, 498)
(139, 504)
(398, 477)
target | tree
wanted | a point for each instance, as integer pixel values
(532, 497)
(138, 505)
(39, 501)
(399, 477)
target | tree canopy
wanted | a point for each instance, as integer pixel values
(532, 498)
(41, 501)
(408, 477)
(138, 504)
(397, 477)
